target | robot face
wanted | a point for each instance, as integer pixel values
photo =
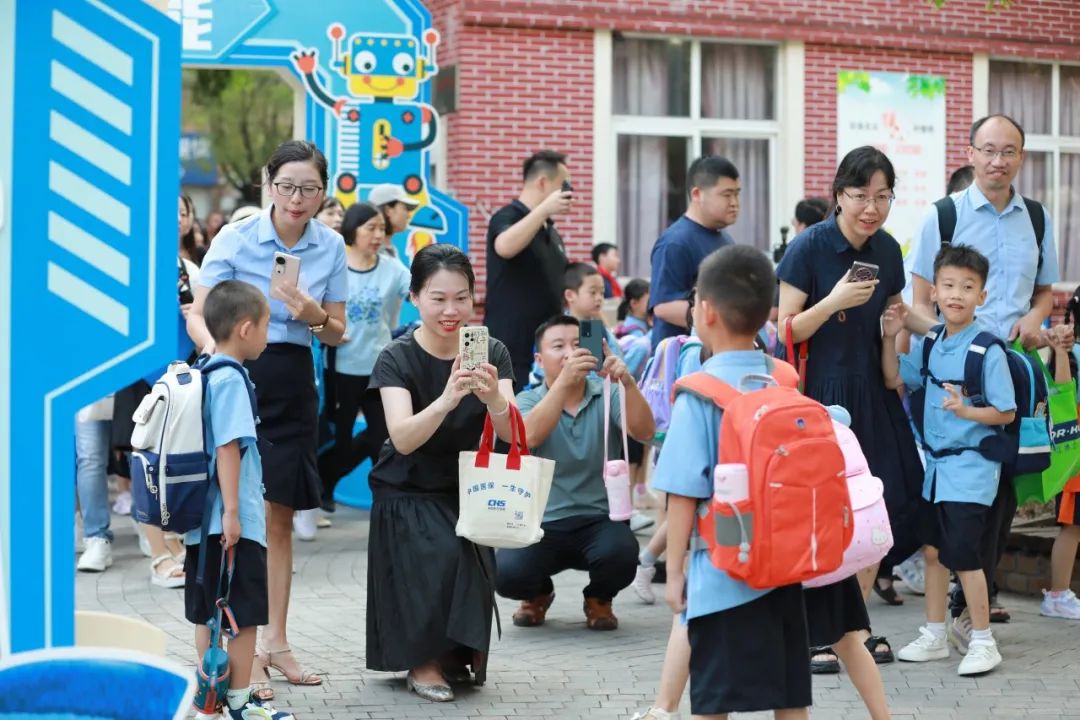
(383, 66)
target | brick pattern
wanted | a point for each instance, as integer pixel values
(521, 91)
(1044, 29)
(1028, 573)
(822, 64)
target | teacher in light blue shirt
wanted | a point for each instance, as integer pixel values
(284, 376)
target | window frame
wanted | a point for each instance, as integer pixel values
(1054, 143)
(694, 128)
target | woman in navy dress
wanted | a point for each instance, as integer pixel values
(840, 320)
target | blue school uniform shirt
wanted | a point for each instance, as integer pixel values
(374, 295)
(245, 251)
(675, 260)
(227, 417)
(686, 467)
(967, 477)
(1007, 239)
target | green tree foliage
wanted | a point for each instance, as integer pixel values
(246, 114)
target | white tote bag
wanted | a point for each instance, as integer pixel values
(503, 497)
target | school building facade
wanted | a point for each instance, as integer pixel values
(633, 90)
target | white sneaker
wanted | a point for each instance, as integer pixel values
(304, 524)
(122, 506)
(1063, 606)
(926, 647)
(982, 657)
(654, 713)
(642, 584)
(913, 573)
(97, 556)
(959, 632)
(639, 521)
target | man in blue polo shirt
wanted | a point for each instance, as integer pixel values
(564, 421)
(714, 205)
(994, 219)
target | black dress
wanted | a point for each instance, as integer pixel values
(429, 592)
(844, 368)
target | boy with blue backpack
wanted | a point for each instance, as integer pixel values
(962, 411)
(229, 551)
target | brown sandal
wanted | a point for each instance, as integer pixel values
(304, 678)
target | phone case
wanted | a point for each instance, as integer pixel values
(592, 339)
(285, 273)
(473, 347)
(863, 272)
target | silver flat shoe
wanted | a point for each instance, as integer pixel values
(437, 692)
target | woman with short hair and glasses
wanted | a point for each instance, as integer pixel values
(839, 317)
(284, 374)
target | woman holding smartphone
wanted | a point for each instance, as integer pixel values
(251, 251)
(836, 280)
(430, 593)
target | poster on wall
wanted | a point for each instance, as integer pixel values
(904, 116)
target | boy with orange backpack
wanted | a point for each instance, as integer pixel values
(727, 615)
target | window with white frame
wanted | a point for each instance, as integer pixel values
(1045, 99)
(676, 99)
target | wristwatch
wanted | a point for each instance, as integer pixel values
(320, 326)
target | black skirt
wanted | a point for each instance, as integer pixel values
(833, 611)
(429, 592)
(284, 377)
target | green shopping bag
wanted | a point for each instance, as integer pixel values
(1065, 433)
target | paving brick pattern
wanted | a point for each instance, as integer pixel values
(563, 670)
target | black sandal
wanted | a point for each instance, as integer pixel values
(999, 614)
(881, 657)
(888, 594)
(823, 666)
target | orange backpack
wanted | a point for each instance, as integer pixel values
(797, 521)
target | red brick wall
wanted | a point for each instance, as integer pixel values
(1030, 28)
(525, 70)
(521, 91)
(822, 63)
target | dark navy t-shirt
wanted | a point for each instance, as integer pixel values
(675, 260)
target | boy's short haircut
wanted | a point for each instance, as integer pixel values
(600, 250)
(738, 280)
(707, 170)
(228, 304)
(575, 274)
(552, 322)
(962, 256)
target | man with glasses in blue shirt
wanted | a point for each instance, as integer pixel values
(993, 218)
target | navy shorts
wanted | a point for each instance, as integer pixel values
(248, 596)
(956, 530)
(752, 657)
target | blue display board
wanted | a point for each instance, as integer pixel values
(89, 126)
(368, 81)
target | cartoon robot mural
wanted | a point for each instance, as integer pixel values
(382, 130)
(367, 77)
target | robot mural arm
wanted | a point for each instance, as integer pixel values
(306, 61)
(431, 122)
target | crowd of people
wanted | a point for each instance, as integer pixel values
(857, 344)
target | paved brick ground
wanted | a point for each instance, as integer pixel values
(564, 671)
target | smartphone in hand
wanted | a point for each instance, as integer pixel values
(473, 348)
(286, 271)
(566, 187)
(863, 272)
(591, 337)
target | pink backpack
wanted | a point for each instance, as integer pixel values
(873, 535)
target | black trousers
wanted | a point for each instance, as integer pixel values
(351, 396)
(994, 539)
(607, 549)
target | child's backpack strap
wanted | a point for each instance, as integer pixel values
(708, 388)
(974, 363)
(929, 340)
(785, 373)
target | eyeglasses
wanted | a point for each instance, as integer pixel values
(882, 200)
(1008, 155)
(287, 189)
